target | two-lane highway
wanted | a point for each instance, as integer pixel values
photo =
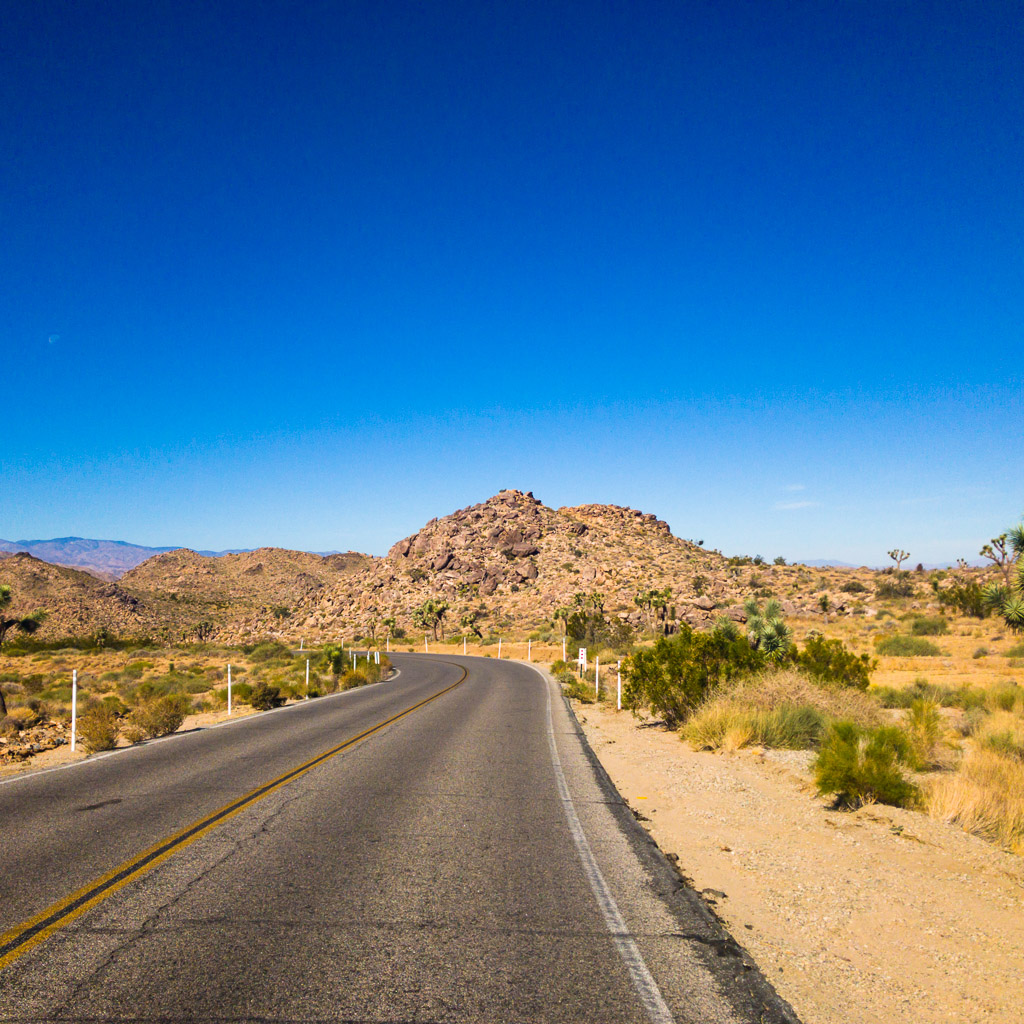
(438, 847)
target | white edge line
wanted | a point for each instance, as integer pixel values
(643, 981)
(21, 776)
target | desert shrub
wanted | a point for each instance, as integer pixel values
(576, 688)
(1016, 651)
(853, 587)
(859, 766)
(98, 727)
(34, 683)
(985, 796)
(981, 652)
(831, 661)
(671, 678)
(264, 696)
(157, 717)
(559, 666)
(965, 697)
(353, 678)
(897, 585)
(924, 625)
(780, 708)
(270, 650)
(24, 716)
(902, 646)
(924, 726)
(966, 598)
(729, 726)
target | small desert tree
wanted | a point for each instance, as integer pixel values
(899, 556)
(996, 551)
(27, 624)
(430, 615)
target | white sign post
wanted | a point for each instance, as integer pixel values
(229, 689)
(388, 643)
(499, 647)
(301, 642)
(463, 645)
(74, 707)
(307, 679)
(582, 659)
(597, 677)
(618, 679)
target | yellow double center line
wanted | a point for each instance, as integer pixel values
(23, 937)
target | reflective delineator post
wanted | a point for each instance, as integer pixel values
(463, 645)
(301, 642)
(229, 689)
(74, 707)
(307, 679)
(597, 676)
(618, 680)
(388, 642)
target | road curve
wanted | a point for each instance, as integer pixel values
(458, 855)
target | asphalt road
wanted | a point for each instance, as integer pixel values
(468, 861)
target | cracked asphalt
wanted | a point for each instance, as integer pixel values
(427, 873)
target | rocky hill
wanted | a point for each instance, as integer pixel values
(505, 566)
(513, 561)
(76, 602)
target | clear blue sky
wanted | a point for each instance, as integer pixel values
(309, 274)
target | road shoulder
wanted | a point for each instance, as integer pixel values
(878, 916)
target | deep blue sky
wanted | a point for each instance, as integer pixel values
(308, 274)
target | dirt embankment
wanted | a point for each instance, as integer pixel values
(881, 916)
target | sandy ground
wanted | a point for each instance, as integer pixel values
(873, 917)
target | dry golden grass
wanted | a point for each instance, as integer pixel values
(984, 796)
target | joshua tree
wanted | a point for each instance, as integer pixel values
(824, 604)
(430, 615)
(995, 551)
(389, 624)
(899, 556)
(27, 624)
(563, 614)
(1008, 600)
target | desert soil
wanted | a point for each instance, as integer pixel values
(879, 916)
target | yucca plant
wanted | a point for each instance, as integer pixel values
(766, 631)
(1008, 601)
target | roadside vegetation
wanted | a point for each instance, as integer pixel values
(129, 692)
(953, 749)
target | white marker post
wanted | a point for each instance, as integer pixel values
(463, 645)
(301, 642)
(353, 660)
(376, 657)
(618, 679)
(597, 677)
(529, 650)
(499, 648)
(388, 642)
(74, 707)
(229, 689)
(307, 679)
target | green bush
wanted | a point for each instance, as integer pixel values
(966, 598)
(263, 696)
(270, 650)
(981, 652)
(98, 727)
(965, 697)
(853, 587)
(924, 726)
(897, 585)
(674, 676)
(860, 766)
(934, 625)
(573, 686)
(158, 717)
(902, 646)
(830, 661)
(1006, 743)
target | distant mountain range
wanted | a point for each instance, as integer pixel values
(107, 559)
